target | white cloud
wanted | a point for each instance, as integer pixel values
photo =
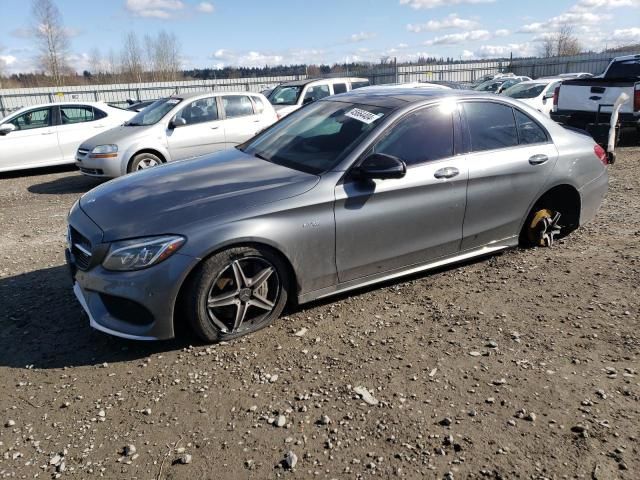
(502, 33)
(574, 19)
(163, 9)
(503, 51)
(457, 38)
(206, 7)
(423, 4)
(8, 60)
(452, 21)
(583, 5)
(626, 35)
(260, 59)
(361, 37)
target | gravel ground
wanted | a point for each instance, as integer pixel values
(524, 365)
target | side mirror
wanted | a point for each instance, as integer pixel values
(307, 100)
(381, 166)
(7, 128)
(177, 122)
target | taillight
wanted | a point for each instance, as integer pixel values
(556, 94)
(601, 154)
(636, 99)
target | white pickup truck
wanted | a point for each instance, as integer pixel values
(585, 103)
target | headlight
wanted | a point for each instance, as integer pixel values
(141, 253)
(104, 151)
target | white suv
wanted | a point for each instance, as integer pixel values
(289, 97)
(176, 128)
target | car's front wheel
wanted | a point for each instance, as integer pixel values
(143, 161)
(236, 292)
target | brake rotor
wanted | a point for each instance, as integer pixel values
(544, 228)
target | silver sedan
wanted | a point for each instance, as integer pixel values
(346, 192)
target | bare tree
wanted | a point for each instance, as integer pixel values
(96, 64)
(52, 39)
(132, 59)
(163, 55)
(562, 42)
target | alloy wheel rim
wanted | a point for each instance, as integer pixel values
(243, 294)
(545, 227)
(147, 163)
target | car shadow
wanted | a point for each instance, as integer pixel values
(71, 184)
(35, 172)
(43, 326)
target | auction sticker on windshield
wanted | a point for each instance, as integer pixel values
(363, 116)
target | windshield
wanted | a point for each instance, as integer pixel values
(285, 95)
(317, 137)
(525, 90)
(490, 86)
(154, 112)
(625, 69)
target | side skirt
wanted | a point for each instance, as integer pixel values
(390, 275)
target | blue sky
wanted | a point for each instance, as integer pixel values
(255, 33)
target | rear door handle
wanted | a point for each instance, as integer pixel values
(47, 133)
(538, 159)
(447, 172)
(214, 128)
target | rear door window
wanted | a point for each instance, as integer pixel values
(361, 84)
(316, 93)
(339, 88)
(76, 114)
(491, 126)
(237, 106)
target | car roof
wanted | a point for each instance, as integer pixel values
(53, 104)
(395, 97)
(197, 95)
(306, 81)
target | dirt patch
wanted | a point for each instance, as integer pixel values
(524, 365)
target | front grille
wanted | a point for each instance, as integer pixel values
(81, 248)
(82, 152)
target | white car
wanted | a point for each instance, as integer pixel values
(290, 96)
(536, 93)
(176, 128)
(49, 134)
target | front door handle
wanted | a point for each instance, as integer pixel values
(538, 159)
(214, 128)
(47, 133)
(447, 172)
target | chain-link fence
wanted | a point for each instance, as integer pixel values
(465, 72)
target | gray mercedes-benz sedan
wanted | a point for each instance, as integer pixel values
(348, 191)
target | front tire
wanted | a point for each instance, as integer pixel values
(143, 161)
(236, 292)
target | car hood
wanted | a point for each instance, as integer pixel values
(116, 135)
(285, 109)
(170, 198)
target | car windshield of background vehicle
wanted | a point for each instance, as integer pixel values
(317, 137)
(285, 95)
(154, 112)
(524, 91)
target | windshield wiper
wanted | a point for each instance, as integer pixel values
(131, 124)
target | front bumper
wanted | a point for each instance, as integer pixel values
(100, 167)
(152, 291)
